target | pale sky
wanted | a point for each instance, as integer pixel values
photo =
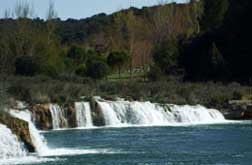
(78, 8)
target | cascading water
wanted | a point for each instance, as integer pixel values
(118, 113)
(196, 114)
(58, 118)
(83, 114)
(10, 147)
(37, 139)
(40, 143)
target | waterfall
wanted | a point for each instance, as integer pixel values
(118, 113)
(58, 118)
(37, 139)
(10, 147)
(196, 114)
(83, 114)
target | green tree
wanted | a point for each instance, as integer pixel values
(26, 66)
(81, 70)
(165, 55)
(154, 73)
(118, 59)
(97, 69)
(214, 14)
(219, 64)
(77, 54)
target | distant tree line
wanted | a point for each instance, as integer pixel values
(200, 41)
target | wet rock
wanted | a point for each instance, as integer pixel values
(98, 119)
(71, 115)
(239, 110)
(20, 128)
(42, 116)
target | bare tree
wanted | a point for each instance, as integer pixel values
(51, 13)
(3, 73)
(7, 13)
(24, 9)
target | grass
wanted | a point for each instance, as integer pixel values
(125, 76)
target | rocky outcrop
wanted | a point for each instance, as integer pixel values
(71, 115)
(20, 128)
(239, 110)
(98, 119)
(42, 116)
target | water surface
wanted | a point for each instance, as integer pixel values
(203, 144)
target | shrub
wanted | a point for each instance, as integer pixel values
(118, 59)
(26, 66)
(97, 69)
(81, 70)
(154, 73)
(20, 92)
(165, 55)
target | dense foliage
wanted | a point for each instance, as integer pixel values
(199, 41)
(222, 52)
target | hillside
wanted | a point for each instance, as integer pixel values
(134, 31)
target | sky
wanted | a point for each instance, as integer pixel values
(78, 8)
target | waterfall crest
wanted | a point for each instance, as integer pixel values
(83, 114)
(10, 147)
(118, 113)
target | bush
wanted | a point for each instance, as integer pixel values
(81, 70)
(26, 66)
(165, 55)
(97, 69)
(118, 59)
(20, 92)
(154, 74)
(77, 54)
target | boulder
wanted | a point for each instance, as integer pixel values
(42, 116)
(71, 115)
(239, 110)
(98, 119)
(20, 128)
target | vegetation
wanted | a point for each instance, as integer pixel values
(44, 89)
(192, 51)
(118, 59)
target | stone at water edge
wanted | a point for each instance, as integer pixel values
(239, 110)
(71, 113)
(20, 128)
(43, 117)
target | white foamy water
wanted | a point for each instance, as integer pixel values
(68, 151)
(58, 117)
(10, 147)
(196, 114)
(83, 114)
(120, 113)
(40, 143)
(12, 152)
(27, 160)
(37, 139)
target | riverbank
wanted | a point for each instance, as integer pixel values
(61, 90)
(68, 102)
(97, 112)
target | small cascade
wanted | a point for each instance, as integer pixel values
(118, 113)
(58, 116)
(10, 147)
(196, 114)
(83, 114)
(37, 139)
